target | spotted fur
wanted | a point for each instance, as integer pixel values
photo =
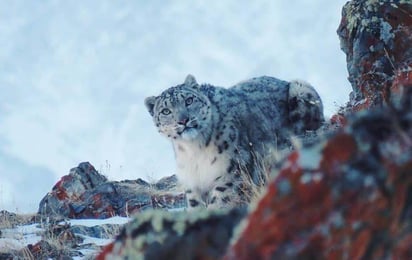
(220, 135)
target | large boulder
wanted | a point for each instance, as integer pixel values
(85, 193)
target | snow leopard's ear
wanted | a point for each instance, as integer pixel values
(150, 103)
(190, 81)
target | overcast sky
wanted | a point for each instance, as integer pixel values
(73, 77)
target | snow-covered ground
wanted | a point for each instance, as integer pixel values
(20, 236)
(97, 222)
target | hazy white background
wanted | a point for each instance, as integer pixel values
(74, 74)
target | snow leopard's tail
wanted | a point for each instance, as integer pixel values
(305, 107)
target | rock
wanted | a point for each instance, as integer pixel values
(105, 231)
(166, 183)
(84, 193)
(348, 197)
(175, 235)
(376, 37)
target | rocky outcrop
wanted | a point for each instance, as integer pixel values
(376, 37)
(85, 193)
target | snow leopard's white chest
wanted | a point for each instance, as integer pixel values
(198, 167)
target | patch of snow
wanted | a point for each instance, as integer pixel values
(7, 244)
(87, 254)
(96, 241)
(176, 209)
(28, 229)
(20, 236)
(97, 222)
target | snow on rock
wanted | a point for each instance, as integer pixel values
(24, 234)
(71, 239)
(7, 244)
(97, 222)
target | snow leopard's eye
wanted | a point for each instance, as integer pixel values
(166, 111)
(189, 101)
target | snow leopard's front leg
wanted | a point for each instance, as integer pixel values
(230, 190)
(195, 199)
(226, 193)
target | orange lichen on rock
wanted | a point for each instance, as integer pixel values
(338, 151)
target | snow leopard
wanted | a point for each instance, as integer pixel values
(220, 135)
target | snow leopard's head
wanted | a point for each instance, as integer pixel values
(181, 112)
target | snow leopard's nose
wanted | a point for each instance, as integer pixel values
(183, 120)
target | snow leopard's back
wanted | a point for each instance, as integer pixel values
(269, 110)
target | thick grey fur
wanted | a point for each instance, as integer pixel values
(221, 136)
